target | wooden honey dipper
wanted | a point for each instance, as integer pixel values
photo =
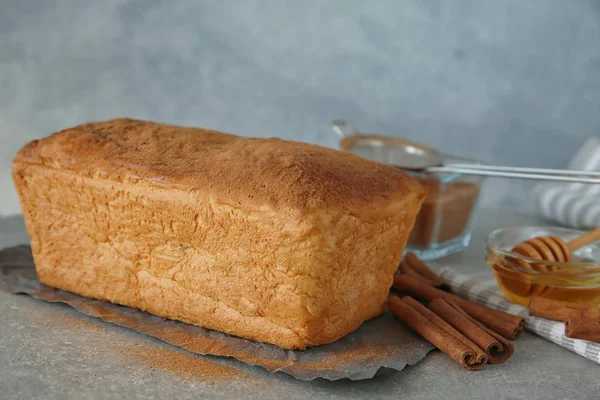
(546, 248)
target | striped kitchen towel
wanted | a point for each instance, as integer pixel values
(485, 292)
(573, 204)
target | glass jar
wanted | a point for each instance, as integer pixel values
(444, 223)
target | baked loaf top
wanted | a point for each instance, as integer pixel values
(288, 176)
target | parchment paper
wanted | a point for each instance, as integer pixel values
(379, 344)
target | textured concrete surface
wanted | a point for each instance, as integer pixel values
(507, 81)
(49, 351)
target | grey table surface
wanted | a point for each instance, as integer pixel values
(44, 355)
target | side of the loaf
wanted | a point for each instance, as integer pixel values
(165, 251)
(252, 270)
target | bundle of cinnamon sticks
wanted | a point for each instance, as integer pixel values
(470, 334)
(581, 321)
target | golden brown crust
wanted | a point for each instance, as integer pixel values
(244, 171)
(213, 230)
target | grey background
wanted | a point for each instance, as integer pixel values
(511, 81)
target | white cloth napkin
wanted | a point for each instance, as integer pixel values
(573, 204)
(486, 292)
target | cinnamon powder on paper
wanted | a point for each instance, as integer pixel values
(66, 319)
(335, 361)
(157, 357)
(183, 365)
(188, 366)
(203, 345)
(338, 360)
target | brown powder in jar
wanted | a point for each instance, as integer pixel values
(447, 209)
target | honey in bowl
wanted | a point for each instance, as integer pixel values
(554, 263)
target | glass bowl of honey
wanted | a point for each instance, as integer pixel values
(520, 278)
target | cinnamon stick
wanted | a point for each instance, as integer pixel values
(554, 310)
(495, 346)
(422, 269)
(581, 321)
(507, 325)
(405, 268)
(439, 333)
(584, 325)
